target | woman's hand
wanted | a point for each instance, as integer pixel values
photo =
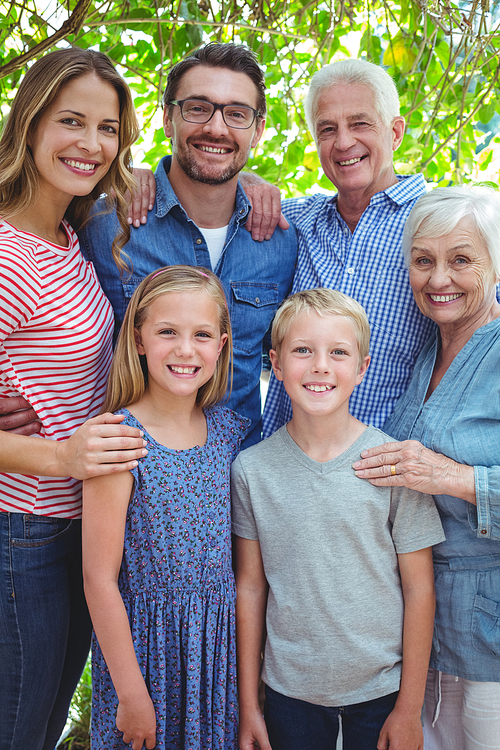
(100, 446)
(137, 720)
(143, 198)
(410, 464)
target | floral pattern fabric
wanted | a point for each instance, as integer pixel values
(177, 584)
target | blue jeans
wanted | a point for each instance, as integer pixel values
(297, 725)
(45, 627)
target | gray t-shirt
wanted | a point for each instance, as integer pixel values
(329, 544)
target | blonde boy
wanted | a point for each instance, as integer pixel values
(336, 572)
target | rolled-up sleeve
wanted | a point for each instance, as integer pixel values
(487, 481)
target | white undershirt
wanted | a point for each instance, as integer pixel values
(215, 239)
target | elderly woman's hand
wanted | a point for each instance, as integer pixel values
(410, 464)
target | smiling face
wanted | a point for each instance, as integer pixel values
(181, 340)
(355, 146)
(76, 139)
(319, 363)
(452, 277)
(212, 153)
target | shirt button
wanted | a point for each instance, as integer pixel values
(199, 241)
(242, 211)
(483, 531)
(350, 271)
(257, 299)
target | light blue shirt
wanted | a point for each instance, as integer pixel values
(461, 419)
(369, 266)
(256, 276)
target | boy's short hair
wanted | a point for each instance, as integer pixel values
(324, 302)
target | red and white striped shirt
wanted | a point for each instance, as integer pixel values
(55, 350)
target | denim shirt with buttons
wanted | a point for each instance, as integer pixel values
(256, 276)
(461, 419)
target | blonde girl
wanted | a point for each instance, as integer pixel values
(157, 553)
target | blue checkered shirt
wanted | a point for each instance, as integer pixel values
(367, 265)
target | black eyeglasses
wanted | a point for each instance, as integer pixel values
(234, 115)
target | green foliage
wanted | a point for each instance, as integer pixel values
(444, 57)
(77, 737)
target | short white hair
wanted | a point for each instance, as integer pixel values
(438, 212)
(354, 72)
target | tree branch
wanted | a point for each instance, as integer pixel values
(71, 26)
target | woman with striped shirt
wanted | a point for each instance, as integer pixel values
(67, 140)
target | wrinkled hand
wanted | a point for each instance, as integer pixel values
(143, 198)
(101, 446)
(137, 720)
(417, 468)
(401, 732)
(252, 732)
(16, 415)
(266, 214)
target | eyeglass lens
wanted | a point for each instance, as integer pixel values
(235, 115)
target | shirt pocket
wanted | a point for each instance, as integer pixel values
(130, 285)
(486, 625)
(252, 307)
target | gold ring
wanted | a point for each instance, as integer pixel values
(393, 470)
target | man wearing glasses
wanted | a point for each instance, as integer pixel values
(214, 113)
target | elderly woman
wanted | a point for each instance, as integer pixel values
(449, 422)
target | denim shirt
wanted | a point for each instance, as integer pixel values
(256, 276)
(461, 419)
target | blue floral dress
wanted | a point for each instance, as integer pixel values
(177, 583)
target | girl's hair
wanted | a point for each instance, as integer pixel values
(129, 372)
(438, 212)
(19, 179)
(323, 302)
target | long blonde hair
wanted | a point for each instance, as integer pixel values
(19, 179)
(129, 373)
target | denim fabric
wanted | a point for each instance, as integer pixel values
(256, 276)
(461, 419)
(297, 725)
(44, 627)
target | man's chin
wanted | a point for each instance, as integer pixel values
(207, 179)
(208, 176)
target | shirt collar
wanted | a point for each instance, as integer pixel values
(407, 188)
(166, 198)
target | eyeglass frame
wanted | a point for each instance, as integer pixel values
(180, 103)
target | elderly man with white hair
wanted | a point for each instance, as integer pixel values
(351, 241)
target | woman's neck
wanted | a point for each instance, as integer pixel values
(453, 338)
(43, 218)
(456, 335)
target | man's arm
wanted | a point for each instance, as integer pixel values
(266, 214)
(251, 601)
(403, 727)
